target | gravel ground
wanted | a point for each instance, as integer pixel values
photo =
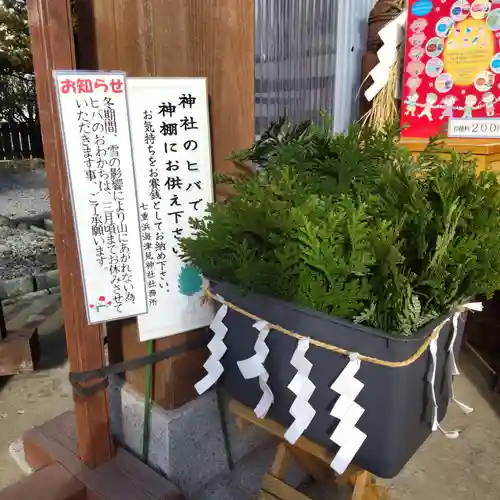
(30, 399)
(23, 193)
(23, 253)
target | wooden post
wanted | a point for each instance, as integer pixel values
(3, 326)
(213, 39)
(53, 48)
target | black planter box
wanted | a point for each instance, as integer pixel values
(397, 401)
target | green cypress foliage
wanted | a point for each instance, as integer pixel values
(353, 226)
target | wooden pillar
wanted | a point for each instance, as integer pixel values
(214, 39)
(53, 48)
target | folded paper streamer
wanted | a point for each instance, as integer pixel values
(254, 367)
(452, 369)
(346, 435)
(303, 388)
(392, 36)
(452, 363)
(217, 350)
(433, 348)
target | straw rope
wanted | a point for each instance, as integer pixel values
(339, 350)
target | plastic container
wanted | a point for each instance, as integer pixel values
(397, 401)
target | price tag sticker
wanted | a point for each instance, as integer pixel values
(485, 128)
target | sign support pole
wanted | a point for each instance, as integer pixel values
(53, 48)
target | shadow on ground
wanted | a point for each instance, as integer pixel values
(4, 380)
(21, 178)
(481, 382)
(53, 350)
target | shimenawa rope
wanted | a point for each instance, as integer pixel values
(339, 350)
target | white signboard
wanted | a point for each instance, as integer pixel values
(94, 121)
(171, 146)
(486, 128)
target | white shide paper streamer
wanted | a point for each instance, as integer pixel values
(452, 367)
(346, 435)
(452, 370)
(217, 348)
(392, 36)
(433, 348)
(303, 388)
(254, 367)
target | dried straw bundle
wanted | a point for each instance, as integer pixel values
(384, 109)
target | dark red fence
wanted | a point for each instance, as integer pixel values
(18, 142)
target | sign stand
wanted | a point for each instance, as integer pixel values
(140, 45)
(152, 42)
(74, 452)
(53, 48)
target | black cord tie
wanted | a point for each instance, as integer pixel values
(83, 383)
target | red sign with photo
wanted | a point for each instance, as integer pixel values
(452, 64)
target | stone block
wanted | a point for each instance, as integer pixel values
(47, 280)
(186, 444)
(16, 287)
(48, 225)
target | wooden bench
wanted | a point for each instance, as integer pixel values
(52, 450)
(53, 482)
(313, 459)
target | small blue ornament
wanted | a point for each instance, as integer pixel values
(190, 281)
(422, 7)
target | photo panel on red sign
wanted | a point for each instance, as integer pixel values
(452, 64)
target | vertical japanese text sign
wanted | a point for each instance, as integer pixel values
(171, 148)
(94, 122)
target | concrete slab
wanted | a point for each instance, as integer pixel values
(46, 308)
(244, 482)
(467, 467)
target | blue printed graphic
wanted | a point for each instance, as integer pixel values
(190, 281)
(421, 8)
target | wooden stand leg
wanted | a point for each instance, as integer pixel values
(276, 489)
(274, 486)
(317, 469)
(360, 486)
(281, 462)
(364, 486)
(313, 458)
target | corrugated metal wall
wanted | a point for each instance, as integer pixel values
(351, 43)
(308, 58)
